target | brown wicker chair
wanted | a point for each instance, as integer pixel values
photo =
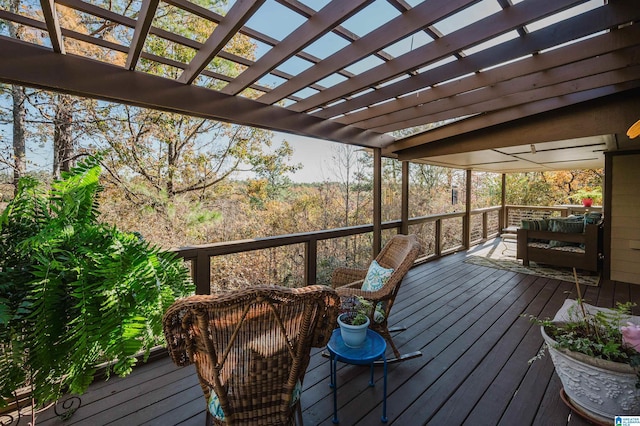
(399, 253)
(251, 348)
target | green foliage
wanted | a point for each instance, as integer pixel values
(597, 335)
(355, 310)
(73, 291)
(594, 334)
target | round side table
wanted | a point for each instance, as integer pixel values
(373, 349)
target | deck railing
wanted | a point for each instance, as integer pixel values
(446, 231)
(440, 234)
(515, 214)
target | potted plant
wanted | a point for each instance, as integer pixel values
(354, 320)
(594, 352)
(588, 196)
(75, 292)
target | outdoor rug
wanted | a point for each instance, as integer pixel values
(501, 255)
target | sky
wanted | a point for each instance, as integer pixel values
(313, 154)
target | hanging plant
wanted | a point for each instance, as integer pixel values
(75, 292)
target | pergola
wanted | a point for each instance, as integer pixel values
(494, 85)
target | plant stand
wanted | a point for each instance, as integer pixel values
(63, 409)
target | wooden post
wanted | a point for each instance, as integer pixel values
(466, 226)
(404, 229)
(202, 265)
(377, 201)
(311, 261)
(504, 218)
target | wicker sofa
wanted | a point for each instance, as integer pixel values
(568, 249)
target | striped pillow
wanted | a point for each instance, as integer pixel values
(535, 225)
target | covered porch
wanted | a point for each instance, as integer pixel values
(550, 98)
(465, 318)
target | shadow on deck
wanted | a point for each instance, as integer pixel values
(466, 320)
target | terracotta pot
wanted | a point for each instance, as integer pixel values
(353, 335)
(587, 202)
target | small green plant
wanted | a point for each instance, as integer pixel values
(596, 334)
(355, 310)
(75, 292)
(595, 194)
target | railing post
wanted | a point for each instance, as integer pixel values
(404, 215)
(311, 261)
(503, 218)
(377, 201)
(466, 226)
(438, 237)
(202, 265)
(485, 225)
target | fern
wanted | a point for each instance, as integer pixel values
(75, 292)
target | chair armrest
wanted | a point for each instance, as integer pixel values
(343, 276)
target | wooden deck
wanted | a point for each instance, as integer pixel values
(466, 320)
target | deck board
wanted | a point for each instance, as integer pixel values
(466, 319)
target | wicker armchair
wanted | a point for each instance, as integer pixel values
(251, 348)
(399, 253)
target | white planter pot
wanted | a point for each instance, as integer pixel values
(601, 389)
(353, 335)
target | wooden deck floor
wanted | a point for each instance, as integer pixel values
(466, 319)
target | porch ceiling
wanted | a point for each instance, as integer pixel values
(425, 81)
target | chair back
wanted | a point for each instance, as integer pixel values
(252, 347)
(399, 253)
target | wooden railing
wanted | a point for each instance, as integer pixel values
(515, 214)
(200, 256)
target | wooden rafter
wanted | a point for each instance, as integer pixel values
(143, 24)
(488, 120)
(574, 28)
(53, 25)
(239, 13)
(599, 115)
(545, 83)
(585, 49)
(314, 28)
(513, 98)
(216, 18)
(34, 66)
(413, 20)
(475, 33)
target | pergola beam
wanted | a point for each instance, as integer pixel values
(589, 117)
(394, 30)
(601, 19)
(475, 33)
(143, 24)
(613, 41)
(239, 13)
(53, 25)
(510, 94)
(311, 30)
(29, 65)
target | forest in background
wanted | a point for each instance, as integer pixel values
(182, 181)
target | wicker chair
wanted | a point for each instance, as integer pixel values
(251, 348)
(399, 253)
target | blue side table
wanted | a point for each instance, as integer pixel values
(373, 349)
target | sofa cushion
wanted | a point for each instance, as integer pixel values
(535, 224)
(568, 225)
(571, 225)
